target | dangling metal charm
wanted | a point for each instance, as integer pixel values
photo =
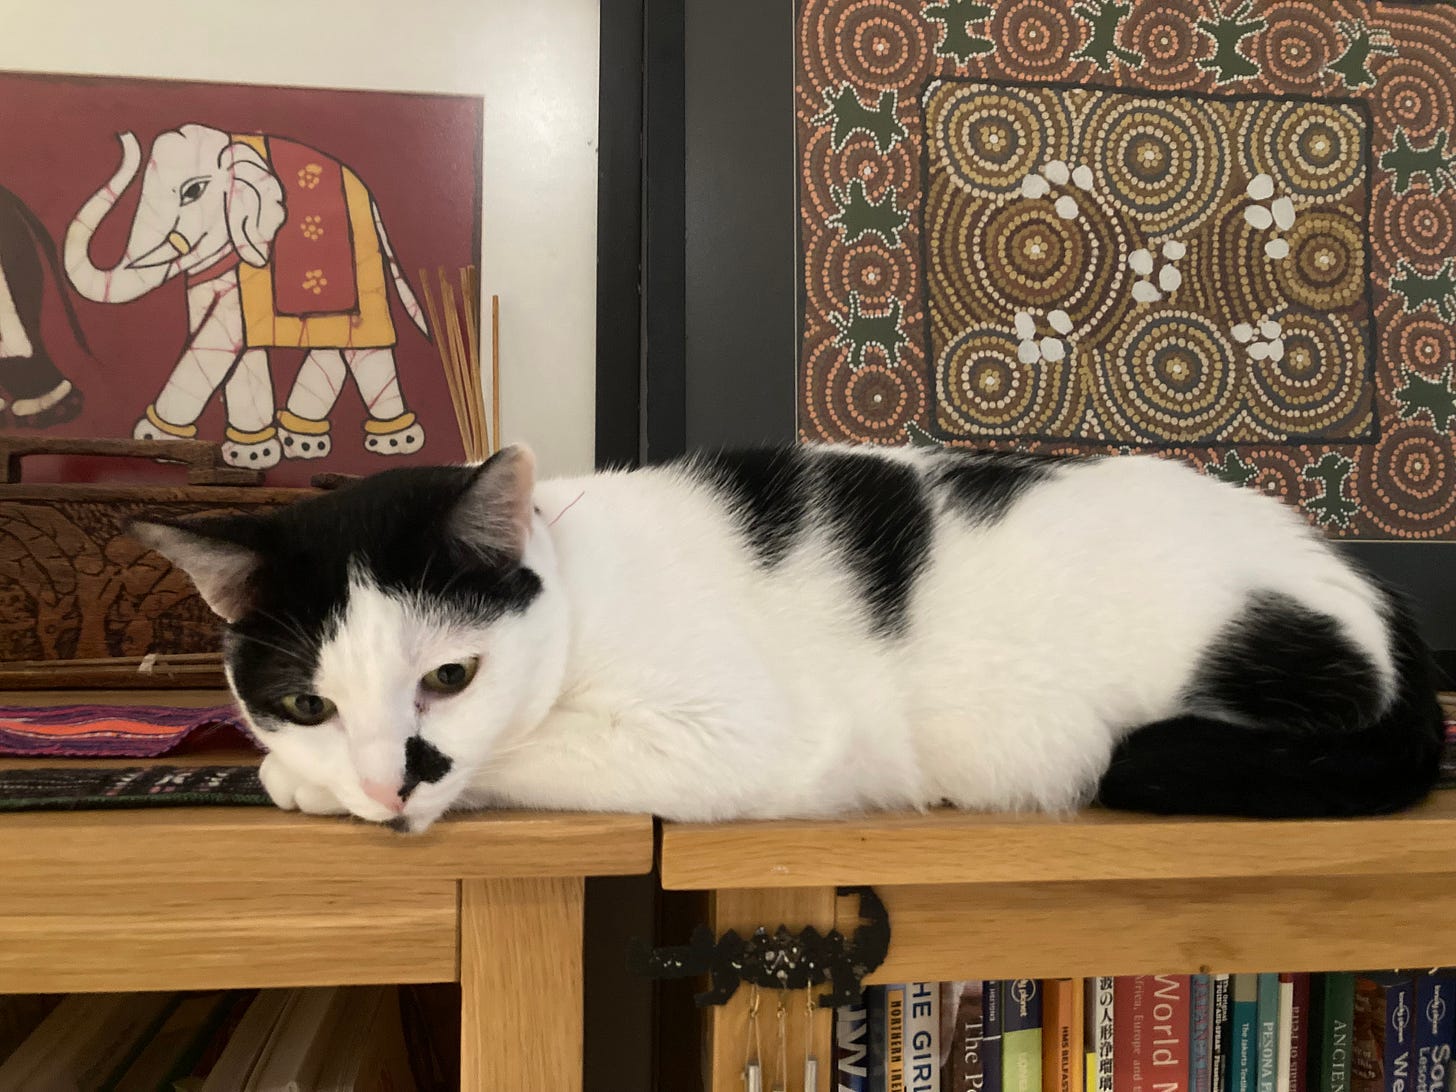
(753, 1051)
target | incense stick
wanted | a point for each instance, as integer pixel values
(495, 368)
(457, 342)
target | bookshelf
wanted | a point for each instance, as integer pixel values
(193, 898)
(996, 896)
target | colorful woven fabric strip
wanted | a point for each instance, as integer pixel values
(114, 731)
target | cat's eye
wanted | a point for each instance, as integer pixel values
(451, 678)
(307, 709)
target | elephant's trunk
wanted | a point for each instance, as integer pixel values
(118, 284)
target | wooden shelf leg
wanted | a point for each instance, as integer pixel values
(727, 1025)
(521, 985)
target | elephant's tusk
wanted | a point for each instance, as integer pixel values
(179, 241)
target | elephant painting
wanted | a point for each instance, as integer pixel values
(279, 246)
(33, 393)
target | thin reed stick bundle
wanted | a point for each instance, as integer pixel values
(456, 332)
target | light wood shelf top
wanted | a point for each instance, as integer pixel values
(951, 847)
(265, 845)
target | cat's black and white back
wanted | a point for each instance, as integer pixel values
(812, 631)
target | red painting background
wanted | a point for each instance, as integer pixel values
(419, 155)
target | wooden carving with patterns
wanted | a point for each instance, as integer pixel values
(83, 605)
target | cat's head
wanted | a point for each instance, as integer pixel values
(388, 638)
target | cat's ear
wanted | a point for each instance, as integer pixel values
(494, 512)
(208, 552)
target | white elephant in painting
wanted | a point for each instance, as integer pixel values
(280, 246)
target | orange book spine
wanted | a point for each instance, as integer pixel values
(1062, 1059)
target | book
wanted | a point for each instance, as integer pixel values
(887, 1037)
(1284, 1055)
(851, 1048)
(1267, 1034)
(1219, 1031)
(291, 1061)
(962, 1016)
(368, 1053)
(237, 1063)
(1435, 1030)
(1061, 1046)
(1100, 1040)
(1152, 1022)
(86, 1041)
(192, 1071)
(991, 1061)
(1200, 1043)
(922, 1037)
(1299, 1013)
(168, 1054)
(1021, 1015)
(1337, 1015)
(1380, 1059)
(1244, 1049)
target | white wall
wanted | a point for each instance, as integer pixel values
(535, 61)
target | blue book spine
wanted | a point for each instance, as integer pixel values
(852, 1048)
(1268, 1034)
(1435, 1030)
(991, 1039)
(1201, 1046)
(1243, 1063)
(1400, 1035)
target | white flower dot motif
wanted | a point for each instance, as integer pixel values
(1156, 281)
(1262, 340)
(1269, 213)
(1033, 346)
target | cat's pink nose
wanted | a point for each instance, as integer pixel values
(386, 795)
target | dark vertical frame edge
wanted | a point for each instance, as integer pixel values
(741, 223)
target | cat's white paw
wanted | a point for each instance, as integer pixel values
(291, 792)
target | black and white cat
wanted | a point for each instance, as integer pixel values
(812, 631)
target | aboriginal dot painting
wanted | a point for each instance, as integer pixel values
(1225, 231)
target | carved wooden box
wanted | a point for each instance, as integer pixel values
(83, 605)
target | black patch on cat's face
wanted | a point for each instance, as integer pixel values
(983, 487)
(393, 528)
(878, 514)
(768, 491)
(424, 764)
(1284, 666)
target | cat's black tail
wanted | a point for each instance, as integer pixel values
(1318, 749)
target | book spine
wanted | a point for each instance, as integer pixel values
(1367, 1058)
(1021, 1014)
(1435, 1031)
(1284, 1060)
(965, 1015)
(922, 1037)
(1243, 1061)
(1220, 1032)
(991, 1038)
(1127, 1018)
(1299, 1024)
(1267, 1034)
(876, 1002)
(1399, 1035)
(1101, 1038)
(1168, 1055)
(1061, 1053)
(851, 1048)
(1337, 1018)
(1201, 1042)
(895, 1037)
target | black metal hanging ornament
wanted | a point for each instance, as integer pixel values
(781, 960)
